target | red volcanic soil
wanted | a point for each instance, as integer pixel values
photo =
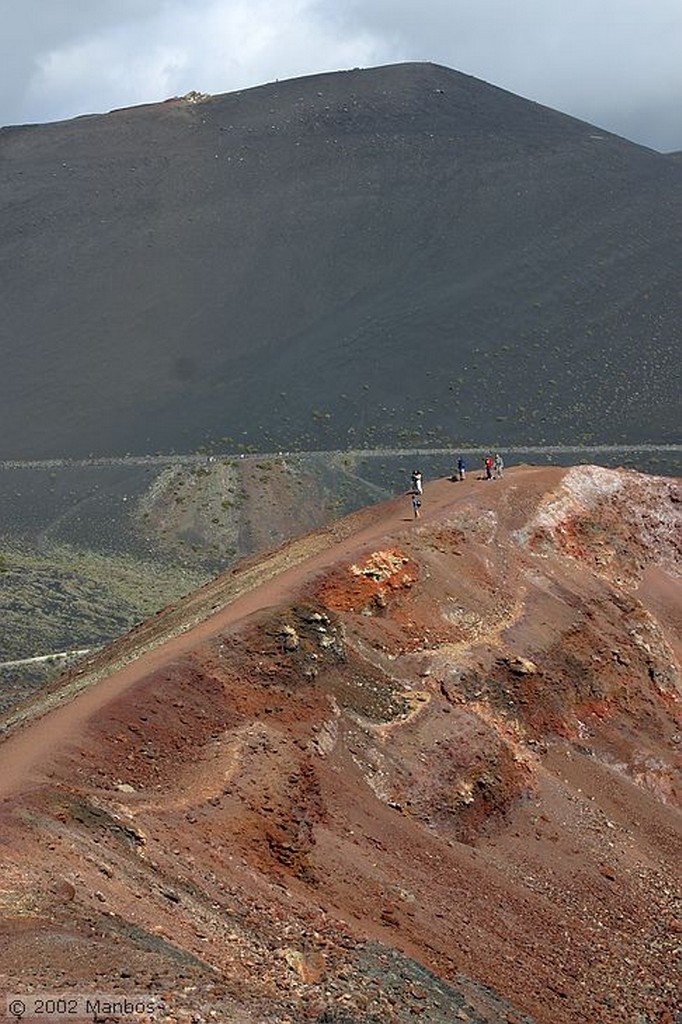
(396, 771)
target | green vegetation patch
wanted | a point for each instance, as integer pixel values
(64, 597)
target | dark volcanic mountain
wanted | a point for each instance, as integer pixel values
(352, 258)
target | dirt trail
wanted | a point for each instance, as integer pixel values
(51, 722)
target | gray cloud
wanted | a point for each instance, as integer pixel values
(612, 62)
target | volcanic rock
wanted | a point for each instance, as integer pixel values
(469, 810)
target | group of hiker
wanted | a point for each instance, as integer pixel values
(493, 467)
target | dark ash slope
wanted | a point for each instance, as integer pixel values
(350, 258)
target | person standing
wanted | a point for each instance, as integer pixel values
(488, 463)
(498, 466)
(461, 468)
(416, 504)
(417, 485)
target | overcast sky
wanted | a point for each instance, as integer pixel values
(615, 63)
